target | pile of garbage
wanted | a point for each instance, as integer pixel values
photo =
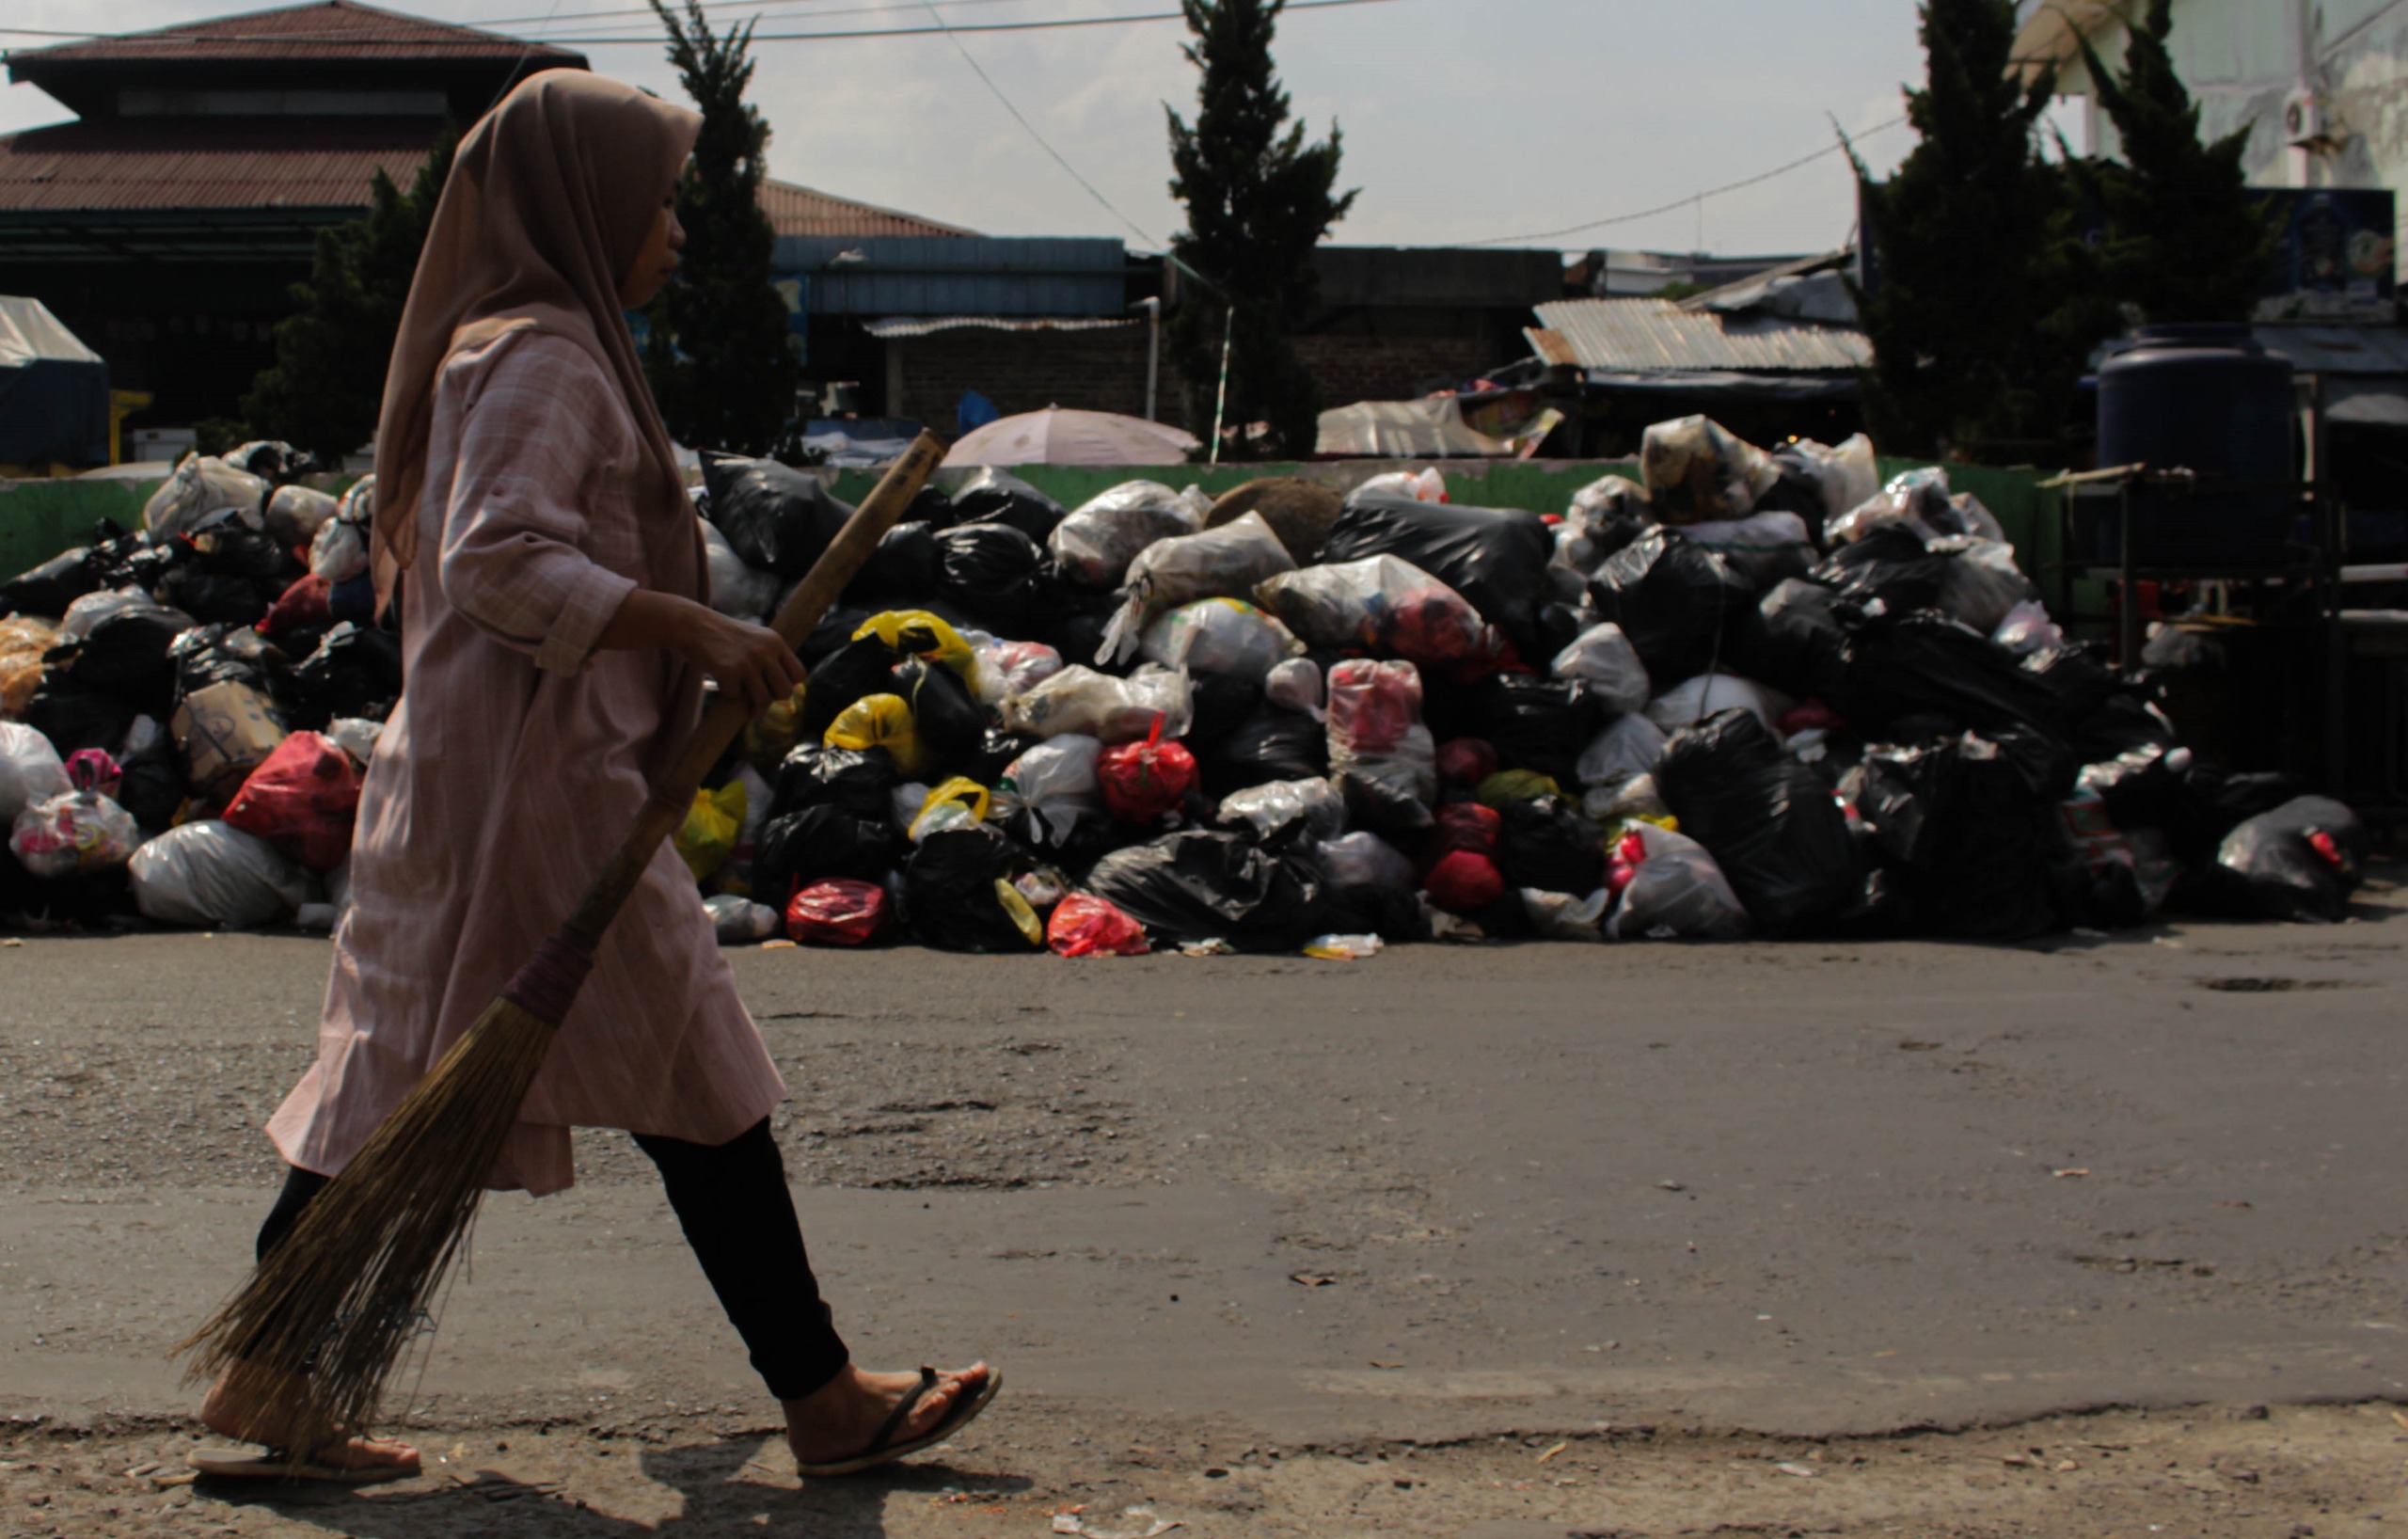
(1736, 692)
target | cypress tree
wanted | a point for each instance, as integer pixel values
(1969, 237)
(324, 390)
(720, 356)
(2185, 240)
(1258, 198)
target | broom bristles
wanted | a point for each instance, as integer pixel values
(329, 1312)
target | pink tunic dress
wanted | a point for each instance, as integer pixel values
(511, 768)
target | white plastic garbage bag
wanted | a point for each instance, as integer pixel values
(1677, 892)
(1117, 710)
(295, 514)
(1691, 702)
(1562, 916)
(201, 487)
(1602, 657)
(1055, 781)
(30, 769)
(1426, 484)
(1381, 604)
(1629, 747)
(739, 921)
(1006, 669)
(1296, 684)
(1223, 562)
(1220, 635)
(2027, 629)
(82, 830)
(737, 590)
(1097, 541)
(339, 552)
(210, 873)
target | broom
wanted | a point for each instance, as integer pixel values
(327, 1316)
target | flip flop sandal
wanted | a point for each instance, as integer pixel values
(882, 1450)
(242, 1464)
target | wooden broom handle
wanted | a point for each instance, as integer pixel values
(672, 795)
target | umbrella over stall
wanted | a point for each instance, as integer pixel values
(1059, 435)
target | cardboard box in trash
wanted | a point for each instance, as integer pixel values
(225, 731)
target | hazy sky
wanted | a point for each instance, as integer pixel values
(1464, 120)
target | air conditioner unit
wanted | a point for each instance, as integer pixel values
(2307, 122)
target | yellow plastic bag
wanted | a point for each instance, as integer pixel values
(1507, 787)
(881, 721)
(770, 737)
(708, 837)
(960, 802)
(919, 634)
(1021, 914)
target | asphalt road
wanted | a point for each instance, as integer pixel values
(1804, 1188)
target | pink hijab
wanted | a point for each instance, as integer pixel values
(549, 201)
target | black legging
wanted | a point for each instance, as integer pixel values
(739, 1216)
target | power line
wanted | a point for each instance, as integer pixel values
(941, 30)
(490, 23)
(967, 57)
(1695, 197)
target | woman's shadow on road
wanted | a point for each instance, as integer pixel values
(731, 1488)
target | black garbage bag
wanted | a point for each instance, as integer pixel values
(950, 901)
(1888, 572)
(236, 549)
(820, 843)
(2079, 676)
(1799, 648)
(1221, 704)
(218, 597)
(950, 722)
(1966, 832)
(127, 652)
(778, 519)
(1496, 558)
(860, 781)
(861, 667)
(2123, 723)
(1380, 806)
(999, 573)
(357, 671)
(220, 654)
(74, 714)
(1545, 844)
(997, 749)
(48, 589)
(1930, 664)
(1272, 744)
(1799, 491)
(1077, 632)
(906, 564)
(1198, 885)
(2300, 862)
(1537, 724)
(1768, 820)
(1392, 913)
(991, 497)
(1680, 607)
(833, 633)
(932, 507)
(152, 787)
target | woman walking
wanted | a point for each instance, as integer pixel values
(550, 582)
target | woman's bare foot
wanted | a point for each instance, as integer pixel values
(838, 1421)
(274, 1419)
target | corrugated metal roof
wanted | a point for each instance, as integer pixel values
(806, 211)
(982, 274)
(895, 328)
(208, 162)
(1652, 335)
(327, 29)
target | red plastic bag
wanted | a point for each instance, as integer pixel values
(1465, 883)
(306, 605)
(302, 799)
(839, 913)
(1466, 761)
(1465, 827)
(1143, 781)
(1085, 926)
(1623, 862)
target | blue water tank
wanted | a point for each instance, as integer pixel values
(2209, 399)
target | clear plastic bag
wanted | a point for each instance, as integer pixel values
(2027, 629)
(1080, 700)
(1692, 701)
(1375, 727)
(736, 589)
(82, 830)
(1674, 890)
(1010, 667)
(1269, 808)
(201, 487)
(1220, 636)
(30, 769)
(1565, 916)
(1096, 543)
(1698, 472)
(1603, 659)
(1364, 860)
(1381, 604)
(210, 873)
(338, 551)
(1846, 476)
(1296, 684)
(739, 921)
(1225, 563)
(1981, 584)
(1603, 517)
(295, 514)
(1056, 782)
(1427, 485)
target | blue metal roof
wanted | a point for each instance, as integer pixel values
(956, 275)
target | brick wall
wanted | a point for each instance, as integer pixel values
(1357, 368)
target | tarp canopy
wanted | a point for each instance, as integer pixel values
(1432, 428)
(54, 391)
